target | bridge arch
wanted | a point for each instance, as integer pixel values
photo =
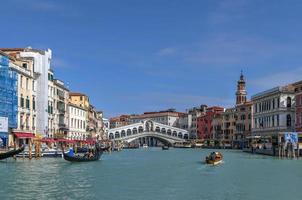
(129, 132)
(134, 130)
(123, 133)
(117, 134)
(163, 130)
(157, 129)
(140, 129)
(169, 132)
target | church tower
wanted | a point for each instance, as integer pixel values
(241, 92)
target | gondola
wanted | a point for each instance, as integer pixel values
(11, 153)
(77, 158)
(165, 147)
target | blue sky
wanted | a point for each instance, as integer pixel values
(135, 56)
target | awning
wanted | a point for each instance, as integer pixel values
(47, 140)
(24, 135)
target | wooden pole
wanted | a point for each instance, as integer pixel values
(29, 149)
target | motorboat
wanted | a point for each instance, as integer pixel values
(214, 158)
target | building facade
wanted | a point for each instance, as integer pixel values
(193, 115)
(298, 107)
(205, 127)
(8, 99)
(61, 111)
(116, 122)
(274, 111)
(40, 67)
(77, 122)
(168, 117)
(228, 127)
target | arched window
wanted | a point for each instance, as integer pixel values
(289, 102)
(134, 131)
(169, 132)
(128, 132)
(163, 130)
(111, 136)
(288, 120)
(186, 136)
(123, 133)
(180, 135)
(117, 134)
(157, 129)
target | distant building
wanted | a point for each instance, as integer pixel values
(274, 111)
(168, 117)
(228, 127)
(77, 122)
(298, 107)
(193, 114)
(205, 127)
(119, 121)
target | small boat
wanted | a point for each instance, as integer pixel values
(11, 153)
(145, 146)
(214, 158)
(70, 156)
(165, 147)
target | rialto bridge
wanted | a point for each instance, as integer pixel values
(148, 129)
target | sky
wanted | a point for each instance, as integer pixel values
(132, 56)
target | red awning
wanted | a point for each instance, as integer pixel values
(47, 140)
(24, 135)
(64, 140)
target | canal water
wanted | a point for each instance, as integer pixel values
(146, 174)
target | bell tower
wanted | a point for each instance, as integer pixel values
(241, 91)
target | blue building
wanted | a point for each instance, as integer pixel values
(8, 97)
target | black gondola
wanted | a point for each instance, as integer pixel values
(76, 158)
(11, 153)
(165, 147)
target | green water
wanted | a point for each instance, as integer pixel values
(145, 174)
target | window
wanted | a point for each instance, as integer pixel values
(27, 102)
(289, 102)
(278, 120)
(24, 65)
(34, 103)
(22, 101)
(288, 120)
(21, 81)
(278, 102)
(27, 85)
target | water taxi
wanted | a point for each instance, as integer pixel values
(214, 158)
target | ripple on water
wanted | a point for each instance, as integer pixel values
(153, 174)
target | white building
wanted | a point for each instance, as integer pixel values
(274, 111)
(77, 122)
(41, 61)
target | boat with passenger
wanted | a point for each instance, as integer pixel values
(165, 147)
(91, 155)
(214, 158)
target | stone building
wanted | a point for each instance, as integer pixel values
(274, 111)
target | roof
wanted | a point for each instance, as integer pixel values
(286, 89)
(77, 94)
(76, 106)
